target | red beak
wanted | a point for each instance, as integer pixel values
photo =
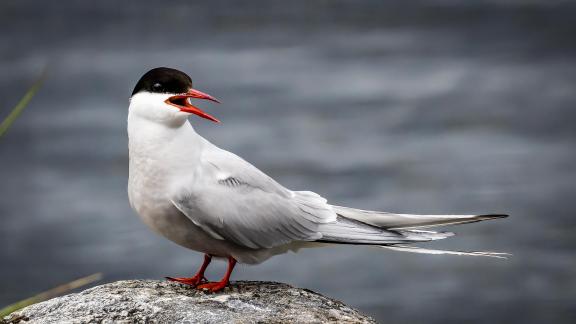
(181, 102)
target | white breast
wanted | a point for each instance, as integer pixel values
(159, 154)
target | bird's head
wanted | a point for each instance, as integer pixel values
(164, 95)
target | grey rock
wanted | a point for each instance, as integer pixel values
(146, 301)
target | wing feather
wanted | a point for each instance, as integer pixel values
(233, 200)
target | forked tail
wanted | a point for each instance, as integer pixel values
(395, 231)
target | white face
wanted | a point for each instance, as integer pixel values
(152, 106)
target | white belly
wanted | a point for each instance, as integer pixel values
(162, 217)
(148, 199)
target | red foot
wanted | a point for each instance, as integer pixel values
(198, 277)
(213, 286)
(192, 281)
(217, 286)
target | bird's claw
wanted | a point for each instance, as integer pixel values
(212, 286)
(192, 281)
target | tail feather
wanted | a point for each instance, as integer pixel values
(351, 231)
(395, 231)
(408, 221)
(416, 249)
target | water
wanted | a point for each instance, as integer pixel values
(428, 107)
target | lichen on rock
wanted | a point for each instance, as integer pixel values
(147, 301)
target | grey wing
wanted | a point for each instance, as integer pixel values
(234, 201)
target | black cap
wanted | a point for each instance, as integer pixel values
(163, 80)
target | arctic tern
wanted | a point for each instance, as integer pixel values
(212, 201)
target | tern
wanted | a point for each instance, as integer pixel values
(212, 201)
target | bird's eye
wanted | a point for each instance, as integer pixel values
(157, 86)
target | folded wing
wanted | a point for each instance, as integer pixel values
(232, 200)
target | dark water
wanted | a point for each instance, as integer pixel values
(426, 107)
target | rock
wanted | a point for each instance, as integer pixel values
(146, 301)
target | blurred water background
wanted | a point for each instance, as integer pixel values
(418, 106)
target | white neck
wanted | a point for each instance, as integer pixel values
(161, 141)
(166, 144)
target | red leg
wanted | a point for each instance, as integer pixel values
(219, 285)
(198, 277)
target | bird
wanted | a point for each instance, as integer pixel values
(212, 201)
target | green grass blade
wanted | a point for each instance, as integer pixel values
(50, 294)
(9, 120)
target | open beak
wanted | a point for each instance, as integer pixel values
(182, 102)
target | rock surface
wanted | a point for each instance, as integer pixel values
(146, 301)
